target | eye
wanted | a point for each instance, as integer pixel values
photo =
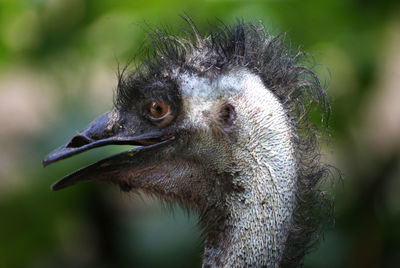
(158, 110)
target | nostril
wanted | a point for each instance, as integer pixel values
(78, 141)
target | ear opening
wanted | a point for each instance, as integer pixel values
(227, 116)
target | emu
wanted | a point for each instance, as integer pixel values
(221, 124)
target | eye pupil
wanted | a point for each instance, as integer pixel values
(159, 109)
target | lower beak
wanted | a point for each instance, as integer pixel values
(101, 132)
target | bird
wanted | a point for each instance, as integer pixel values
(220, 122)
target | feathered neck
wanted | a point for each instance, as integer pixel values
(256, 217)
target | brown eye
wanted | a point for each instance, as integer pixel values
(158, 110)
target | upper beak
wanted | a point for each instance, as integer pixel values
(105, 130)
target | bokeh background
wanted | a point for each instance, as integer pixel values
(58, 62)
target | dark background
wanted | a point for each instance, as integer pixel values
(58, 62)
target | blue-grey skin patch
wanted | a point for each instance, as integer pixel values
(263, 155)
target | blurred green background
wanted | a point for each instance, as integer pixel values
(58, 62)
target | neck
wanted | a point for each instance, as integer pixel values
(252, 231)
(255, 219)
(257, 215)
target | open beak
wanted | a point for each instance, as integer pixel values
(107, 130)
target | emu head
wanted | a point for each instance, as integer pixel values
(220, 123)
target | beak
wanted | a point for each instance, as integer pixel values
(107, 129)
